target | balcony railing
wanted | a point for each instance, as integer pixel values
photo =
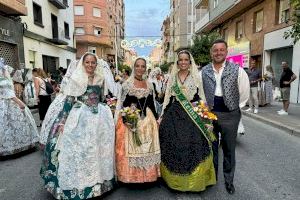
(202, 22)
(60, 4)
(58, 36)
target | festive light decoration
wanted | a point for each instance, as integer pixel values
(142, 43)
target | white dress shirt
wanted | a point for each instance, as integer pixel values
(243, 84)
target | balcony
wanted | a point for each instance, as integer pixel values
(13, 7)
(58, 36)
(60, 4)
(228, 11)
(202, 22)
(200, 3)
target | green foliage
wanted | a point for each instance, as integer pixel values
(201, 48)
(294, 33)
(165, 67)
(123, 67)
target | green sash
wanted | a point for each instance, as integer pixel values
(186, 104)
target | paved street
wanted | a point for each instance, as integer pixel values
(268, 165)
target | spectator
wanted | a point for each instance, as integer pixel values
(287, 77)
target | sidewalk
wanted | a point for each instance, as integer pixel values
(268, 114)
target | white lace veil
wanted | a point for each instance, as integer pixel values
(110, 83)
(77, 82)
(194, 72)
(6, 84)
(18, 77)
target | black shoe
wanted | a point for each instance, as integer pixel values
(229, 188)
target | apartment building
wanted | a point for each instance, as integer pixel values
(181, 24)
(155, 57)
(254, 30)
(11, 32)
(166, 50)
(99, 27)
(48, 34)
(130, 56)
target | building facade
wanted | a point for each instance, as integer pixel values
(48, 35)
(182, 22)
(166, 50)
(254, 30)
(130, 56)
(99, 28)
(11, 32)
(155, 57)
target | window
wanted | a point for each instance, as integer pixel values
(216, 2)
(67, 31)
(96, 12)
(97, 31)
(79, 31)
(65, 2)
(189, 27)
(31, 58)
(258, 21)
(189, 7)
(239, 30)
(282, 11)
(78, 10)
(68, 62)
(92, 49)
(225, 34)
(37, 15)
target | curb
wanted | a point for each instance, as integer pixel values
(290, 130)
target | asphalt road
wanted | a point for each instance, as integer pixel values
(268, 166)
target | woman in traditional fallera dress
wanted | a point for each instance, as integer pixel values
(137, 163)
(187, 159)
(18, 131)
(78, 160)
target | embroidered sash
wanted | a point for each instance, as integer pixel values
(187, 106)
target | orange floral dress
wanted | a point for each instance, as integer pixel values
(138, 164)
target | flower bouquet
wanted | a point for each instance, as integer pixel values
(201, 108)
(112, 103)
(265, 77)
(130, 116)
(203, 111)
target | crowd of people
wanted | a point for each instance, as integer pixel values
(153, 129)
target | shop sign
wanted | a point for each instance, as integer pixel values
(5, 32)
(239, 54)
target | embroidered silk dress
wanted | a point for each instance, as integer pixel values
(187, 160)
(138, 164)
(79, 154)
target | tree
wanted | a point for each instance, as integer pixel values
(123, 67)
(165, 67)
(201, 48)
(294, 33)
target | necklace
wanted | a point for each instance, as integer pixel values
(182, 82)
(142, 108)
(139, 79)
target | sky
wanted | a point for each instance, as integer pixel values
(144, 18)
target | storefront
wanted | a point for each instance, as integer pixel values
(276, 50)
(11, 42)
